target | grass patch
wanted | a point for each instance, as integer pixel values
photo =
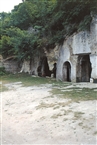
(26, 79)
(77, 95)
(61, 85)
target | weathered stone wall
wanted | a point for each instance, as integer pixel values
(86, 41)
(34, 65)
(93, 35)
(52, 56)
(30, 66)
(11, 66)
(82, 43)
(25, 67)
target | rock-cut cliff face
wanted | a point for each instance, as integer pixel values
(77, 59)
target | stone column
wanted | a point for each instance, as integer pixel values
(74, 60)
(93, 60)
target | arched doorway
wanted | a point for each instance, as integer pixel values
(83, 68)
(67, 71)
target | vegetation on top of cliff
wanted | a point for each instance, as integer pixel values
(51, 22)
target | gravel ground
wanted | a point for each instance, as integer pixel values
(31, 116)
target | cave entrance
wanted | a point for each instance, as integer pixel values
(54, 70)
(43, 68)
(83, 68)
(67, 71)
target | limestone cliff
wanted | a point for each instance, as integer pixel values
(80, 49)
(76, 59)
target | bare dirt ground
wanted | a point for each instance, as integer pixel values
(30, 115)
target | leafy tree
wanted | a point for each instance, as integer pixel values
(20, 43)
(4, 20)
(51, 20)
(20, 17)
(70, 16)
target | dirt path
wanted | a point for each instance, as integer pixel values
(30, 115)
